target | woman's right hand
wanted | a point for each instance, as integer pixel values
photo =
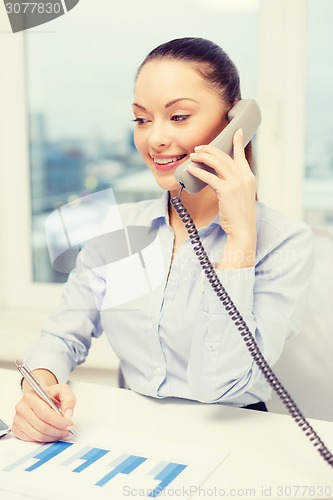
(35, 420)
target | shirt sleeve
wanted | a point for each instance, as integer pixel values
(271, 298)
(65, 339)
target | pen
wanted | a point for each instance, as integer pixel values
(33, 382)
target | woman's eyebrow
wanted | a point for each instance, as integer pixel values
(174, 101)
(139, 106)
(168, 104)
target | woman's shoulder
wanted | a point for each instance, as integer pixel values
(274, 226)
(139, 212)
(143, 212)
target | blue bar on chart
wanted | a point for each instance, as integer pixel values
(127, 466)
(43, 453)
(47, 455)
(166, 476)
(88, 454)
(91, 457)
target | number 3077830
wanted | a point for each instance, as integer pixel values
(33, 8)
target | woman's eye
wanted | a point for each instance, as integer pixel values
(140, 121)
(179, 118)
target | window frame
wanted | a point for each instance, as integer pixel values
(18, 292)
(280, 149)
(281, 139)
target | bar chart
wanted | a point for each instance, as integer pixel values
(79, 470)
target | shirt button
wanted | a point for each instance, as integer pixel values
(159, 371)
(211, 347)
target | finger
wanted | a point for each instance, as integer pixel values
(19, 434)
(238, 145)
(65, 396)
(215, 152)
(30, 428)
(47, 421)
(43, 413)
(219, 164)
(212, 180)
(29, 433)
(41, 417)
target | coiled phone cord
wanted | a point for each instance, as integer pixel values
(245, 332)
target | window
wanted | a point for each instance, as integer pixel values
(79, 84)
(318, 182)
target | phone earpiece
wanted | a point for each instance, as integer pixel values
(245, 114)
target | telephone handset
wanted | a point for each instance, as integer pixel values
(245, 114)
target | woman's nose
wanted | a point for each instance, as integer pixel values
(159, 136)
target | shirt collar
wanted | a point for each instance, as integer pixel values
(156, 209)
(159, 210)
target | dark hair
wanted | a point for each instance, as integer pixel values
(211, 62)
(208, 58)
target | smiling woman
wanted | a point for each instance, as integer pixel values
(169, 127)
(262, 257)
(69, 133)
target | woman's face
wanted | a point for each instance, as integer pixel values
(175, 110)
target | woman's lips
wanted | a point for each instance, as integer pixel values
(165, 167)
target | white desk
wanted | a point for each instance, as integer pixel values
(266, 450)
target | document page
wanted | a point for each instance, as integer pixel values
(103, 465)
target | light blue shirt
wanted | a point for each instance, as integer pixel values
(162, 318)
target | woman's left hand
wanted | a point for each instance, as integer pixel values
(235, 186)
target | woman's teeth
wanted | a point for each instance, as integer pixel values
(164, 161)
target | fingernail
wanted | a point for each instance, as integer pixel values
(193, 155)
(71, 429)
(198, 148)
(68, 413)
(240, 131)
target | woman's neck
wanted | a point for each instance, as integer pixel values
(202, 206)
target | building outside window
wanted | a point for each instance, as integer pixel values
(79, 87)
